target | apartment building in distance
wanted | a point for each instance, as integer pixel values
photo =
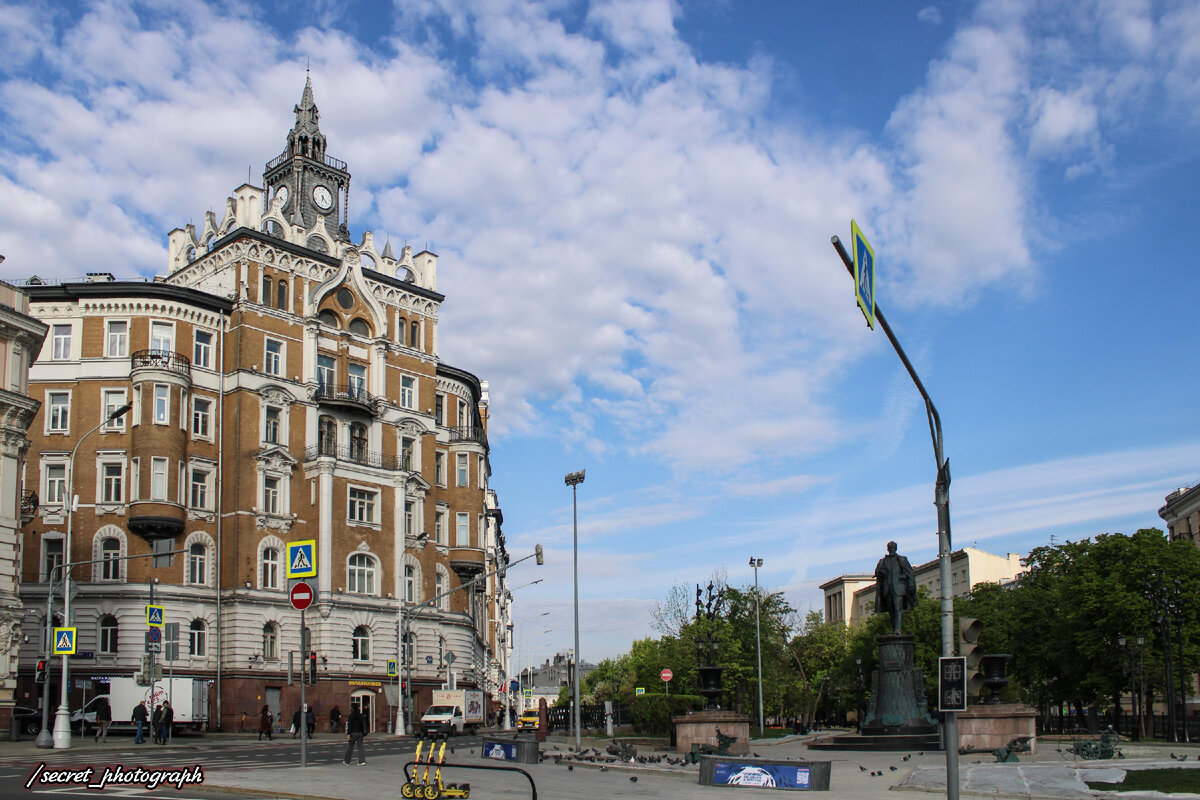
(1181, 513)
(850, 598)
(285, 387)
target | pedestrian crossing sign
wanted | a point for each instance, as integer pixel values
(64, 641)
(393, 668)
(302, 559)
(154, 615)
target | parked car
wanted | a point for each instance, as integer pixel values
(31, 719)
(528, 720)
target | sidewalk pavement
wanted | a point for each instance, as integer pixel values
(1049, 774)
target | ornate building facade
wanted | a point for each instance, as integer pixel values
(20, 340)
(285, 386)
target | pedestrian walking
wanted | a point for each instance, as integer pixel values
(242, 724)
(103, 720)
(139, 716)
(264, 723)
(310, 720)
(295, 723)
(356, 729)
(335, 717)
(164, 728)
(155, 721)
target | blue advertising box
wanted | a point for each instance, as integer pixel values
(764, 773)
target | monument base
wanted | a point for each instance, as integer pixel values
(700, 727)
(897, 692)
(992, 726)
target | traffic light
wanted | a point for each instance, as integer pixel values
(312, 668)
(143, 678)
(540, 557)
(158, 672)
(403, 687)
(41, 671)
(969, 629)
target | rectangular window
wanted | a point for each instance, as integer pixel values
(162, 403)
(58, 413)
(199, 489)
(201, 412)
(358, 381)
(117, 340)
(482, 473)
(196, 639)
(60, 342)
(462, 414)
(56, 483)
(162, 337)
(408, 392)
(271, 425)
(439, 527)
(111, 401)
(439, 469)
(52, 557)
(326, 371)
(407, 453)
(462, 531)
(462, 472)
(439, 409)
(112, 483)
(410, 518)
(271, 495)
(158, 478)
(273, 358)
(362, 505)
(202, 348)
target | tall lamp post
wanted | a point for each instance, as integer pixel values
(401, 725)
(1133, 645)
(62, 719)
(573, 479)
(756, 563)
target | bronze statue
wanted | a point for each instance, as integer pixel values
(895, 586)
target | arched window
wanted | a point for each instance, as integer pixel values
(266, 291)
(360, 575)
(360, 644)
(270, 644)
(359, 326)
(281, 294)
(410, 583)
(110, 567)
(327, 436)
(197, 564)
(270, 568)
(329, 318)
(358, 442)
(108, 634)
(197, 635)
(414, 334)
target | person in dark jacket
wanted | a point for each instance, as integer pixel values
(310, 719)
(164, 727)
(103, 720)
(295, 723)
(264, 723)
(155, 722)
(335, 717)
(139, 717)
(356, 729)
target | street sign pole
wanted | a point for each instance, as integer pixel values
(941, 499)
(303, 696)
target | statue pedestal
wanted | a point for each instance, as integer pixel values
(700, 727)
(897, 692)
(991, 726)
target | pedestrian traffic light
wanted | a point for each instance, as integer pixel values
(41, 671)
(312, 668)
(142, 678)
(969, 629)
(158, 672)
(403, 687)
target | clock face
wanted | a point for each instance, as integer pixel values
(281, 194)
(323, 198)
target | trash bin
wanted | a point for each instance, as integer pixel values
(14, 728)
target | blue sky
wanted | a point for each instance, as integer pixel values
(632, 204)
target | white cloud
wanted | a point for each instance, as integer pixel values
(930, 15)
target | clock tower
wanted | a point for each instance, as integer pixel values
(307, 182)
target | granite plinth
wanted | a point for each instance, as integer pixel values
(700, 727)
(991, 726)
(897, 692)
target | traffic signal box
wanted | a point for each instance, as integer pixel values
(969, 629)
(40, 677)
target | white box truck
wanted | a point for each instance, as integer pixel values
(188, 698)
(453, 711)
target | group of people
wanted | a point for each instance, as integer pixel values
(356, 727)
(160, 722)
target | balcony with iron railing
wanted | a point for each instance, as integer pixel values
(29, 506)
(162, 359)
(288, 154)
(469, 433)
(354, 396)
(355, 454)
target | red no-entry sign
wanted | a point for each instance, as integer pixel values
(666, 675)
(301, 596)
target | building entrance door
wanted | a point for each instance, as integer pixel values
(364, 700)
(273, 701)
